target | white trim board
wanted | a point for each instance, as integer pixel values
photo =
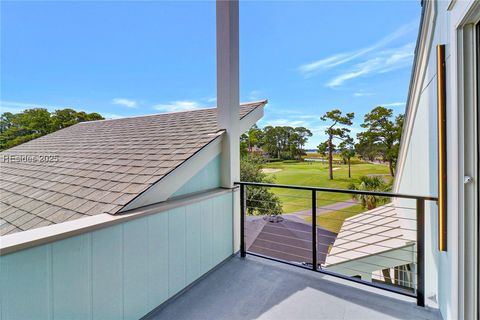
(251, 118)
(416, 88)
(168, 185)
(35, 237)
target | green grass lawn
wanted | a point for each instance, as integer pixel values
(316, 174)
(333, 221)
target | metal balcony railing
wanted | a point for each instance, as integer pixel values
(330, 231)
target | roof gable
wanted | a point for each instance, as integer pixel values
(98, 167)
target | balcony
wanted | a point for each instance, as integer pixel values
(290, 268)
(177, 258)
(256, 288)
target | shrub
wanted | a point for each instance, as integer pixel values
(260, 200)
(371, 184)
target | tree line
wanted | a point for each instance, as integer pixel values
(380, 139)
(281, 142)
(35, 122)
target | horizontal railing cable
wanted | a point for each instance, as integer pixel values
(314, 228)
(333, 190)
(339, 254)
(356, 232)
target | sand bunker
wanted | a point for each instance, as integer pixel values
(269, 170)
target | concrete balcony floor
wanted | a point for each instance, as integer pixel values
(255, 288)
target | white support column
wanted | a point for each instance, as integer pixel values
(228, 101)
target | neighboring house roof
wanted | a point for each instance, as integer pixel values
(101, 167)
(290, 239)
(367, 234)
(257, 149)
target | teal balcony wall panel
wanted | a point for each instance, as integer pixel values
(194, 244)
(206, 178)
(223, 226)
(72, 278)
(107, 272)
(176, 251)
(26, 297)
(135, 271)
(118, 272)
(206, 262)
(157, 263)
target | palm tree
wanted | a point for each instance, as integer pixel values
(371, 184)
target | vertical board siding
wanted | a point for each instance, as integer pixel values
(176, 251)
(26, 297)
(107, 273)
(222, 226)
(206, 209)
(226, 229)
(194, 243)
(119, 272)
(158, 259)
(135, 270)
(72, 278)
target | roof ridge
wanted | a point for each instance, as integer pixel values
(242, 104)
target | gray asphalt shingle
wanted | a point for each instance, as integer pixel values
(101, 167)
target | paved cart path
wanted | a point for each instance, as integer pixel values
(324, 209)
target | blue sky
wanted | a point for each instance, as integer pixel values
(133, 58)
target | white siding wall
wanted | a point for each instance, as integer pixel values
(419, 174)
(207, 178)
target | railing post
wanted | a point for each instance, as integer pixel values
(421, 252)
(314, 230)
(243, 206)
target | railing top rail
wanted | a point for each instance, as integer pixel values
(333, 190)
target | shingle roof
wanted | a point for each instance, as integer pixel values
(289, 239)
(102, 165)
(369, 233)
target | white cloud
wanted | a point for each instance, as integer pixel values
(214, 99)
(292, 119)
(125, 102)
(338, 59)
(254, 95)
(362, 94)
(16, 106)
(286, 122)
(174, 106)
(384, 61)
(393, 104)
(309, 116)
(330, 62)
(109, 116)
